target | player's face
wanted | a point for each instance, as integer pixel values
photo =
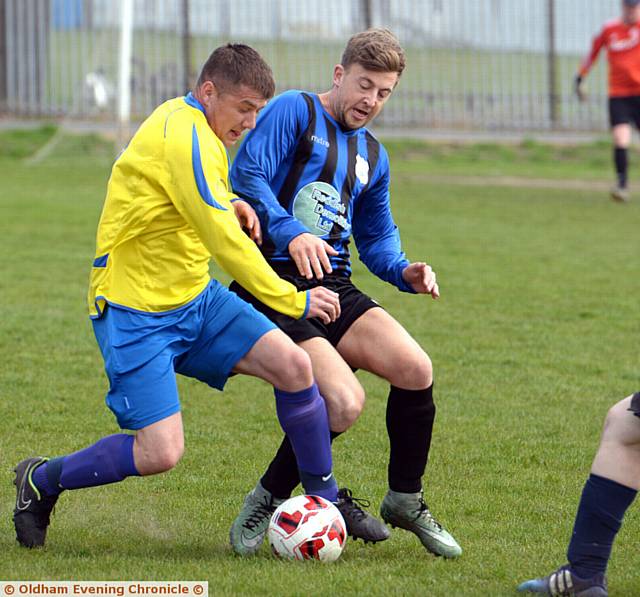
(359, 94)
(630, 14)
(230, 111)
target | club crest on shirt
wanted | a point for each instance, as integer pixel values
(362, 169)
(318, 206)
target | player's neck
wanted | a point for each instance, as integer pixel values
(325, 100)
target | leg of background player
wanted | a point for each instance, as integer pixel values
(621, 134)
(609, 491)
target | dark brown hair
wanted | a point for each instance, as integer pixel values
(233, 65)
(376, 50)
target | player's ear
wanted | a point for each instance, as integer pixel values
(208, 92)
(338, 74)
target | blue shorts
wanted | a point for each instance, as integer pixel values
(143, 351)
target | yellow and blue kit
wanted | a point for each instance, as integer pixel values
(167, 212)
(155, 309)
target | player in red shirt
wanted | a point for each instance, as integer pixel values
(621, 38)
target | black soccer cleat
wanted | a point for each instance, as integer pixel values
(33, 510)
(360, 524)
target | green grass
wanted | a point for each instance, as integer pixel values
(534, 337)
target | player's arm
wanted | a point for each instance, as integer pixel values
(587, 64)
(378, 240)
(201, 197)
(260, 157)
(376, 234)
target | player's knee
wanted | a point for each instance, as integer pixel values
(344, 407)
(622, 425)
(295, 372)
(163, 457)
(413, 371)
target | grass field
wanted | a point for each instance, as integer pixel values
(534, 337)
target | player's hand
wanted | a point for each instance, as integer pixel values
(311, 255)
(248, 219)
(421, 278)
(323, 304)
(578, 88)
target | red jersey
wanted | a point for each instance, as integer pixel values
(622, 42)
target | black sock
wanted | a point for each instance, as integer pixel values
(621, 162)
(282, 476)
(410, 416)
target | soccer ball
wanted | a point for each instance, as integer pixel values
(307, 527)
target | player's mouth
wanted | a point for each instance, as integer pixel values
(234, 135)
(359, 114)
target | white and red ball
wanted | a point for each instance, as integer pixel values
(307, 527)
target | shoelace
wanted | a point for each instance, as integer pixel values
(424, 512)
(345, 495)
(259, 513)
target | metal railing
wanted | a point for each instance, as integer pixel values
(479, 64)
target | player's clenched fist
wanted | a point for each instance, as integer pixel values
(421, 278)
(323, 304)
(311, 255)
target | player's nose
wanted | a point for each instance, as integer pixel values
(250, 121)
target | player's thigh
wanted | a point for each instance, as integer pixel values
(142, 382)
(276, 359)
(227, 342)
(337, 383)
(377, 343)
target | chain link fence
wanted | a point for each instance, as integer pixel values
(482, 65)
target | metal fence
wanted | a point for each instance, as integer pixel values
(472, 64)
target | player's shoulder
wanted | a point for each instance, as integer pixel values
(288, 109)
(375, 143)
(290, 99)
(612, 24)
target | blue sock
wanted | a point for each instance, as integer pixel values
(598, 520)
(303, 417)
(107, 461)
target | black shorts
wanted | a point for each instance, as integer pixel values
(624, 110)
(353, 303)
(635, 404)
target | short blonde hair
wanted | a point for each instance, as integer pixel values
(375, 49)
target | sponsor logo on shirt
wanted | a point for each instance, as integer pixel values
(318, 206)
(362, 169)
(620, 45)
(320, 141)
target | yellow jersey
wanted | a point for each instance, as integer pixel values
(167, 212)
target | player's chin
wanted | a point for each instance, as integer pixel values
(232, 137)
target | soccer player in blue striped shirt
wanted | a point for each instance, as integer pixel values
(317, 177)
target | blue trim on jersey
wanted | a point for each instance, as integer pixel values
(101, 261)
(193, 102)
(198, 172)
(307, 306)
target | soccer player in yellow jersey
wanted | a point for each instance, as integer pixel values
(157, 312)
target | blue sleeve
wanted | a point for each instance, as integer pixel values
(259, 159)
(376, 234)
